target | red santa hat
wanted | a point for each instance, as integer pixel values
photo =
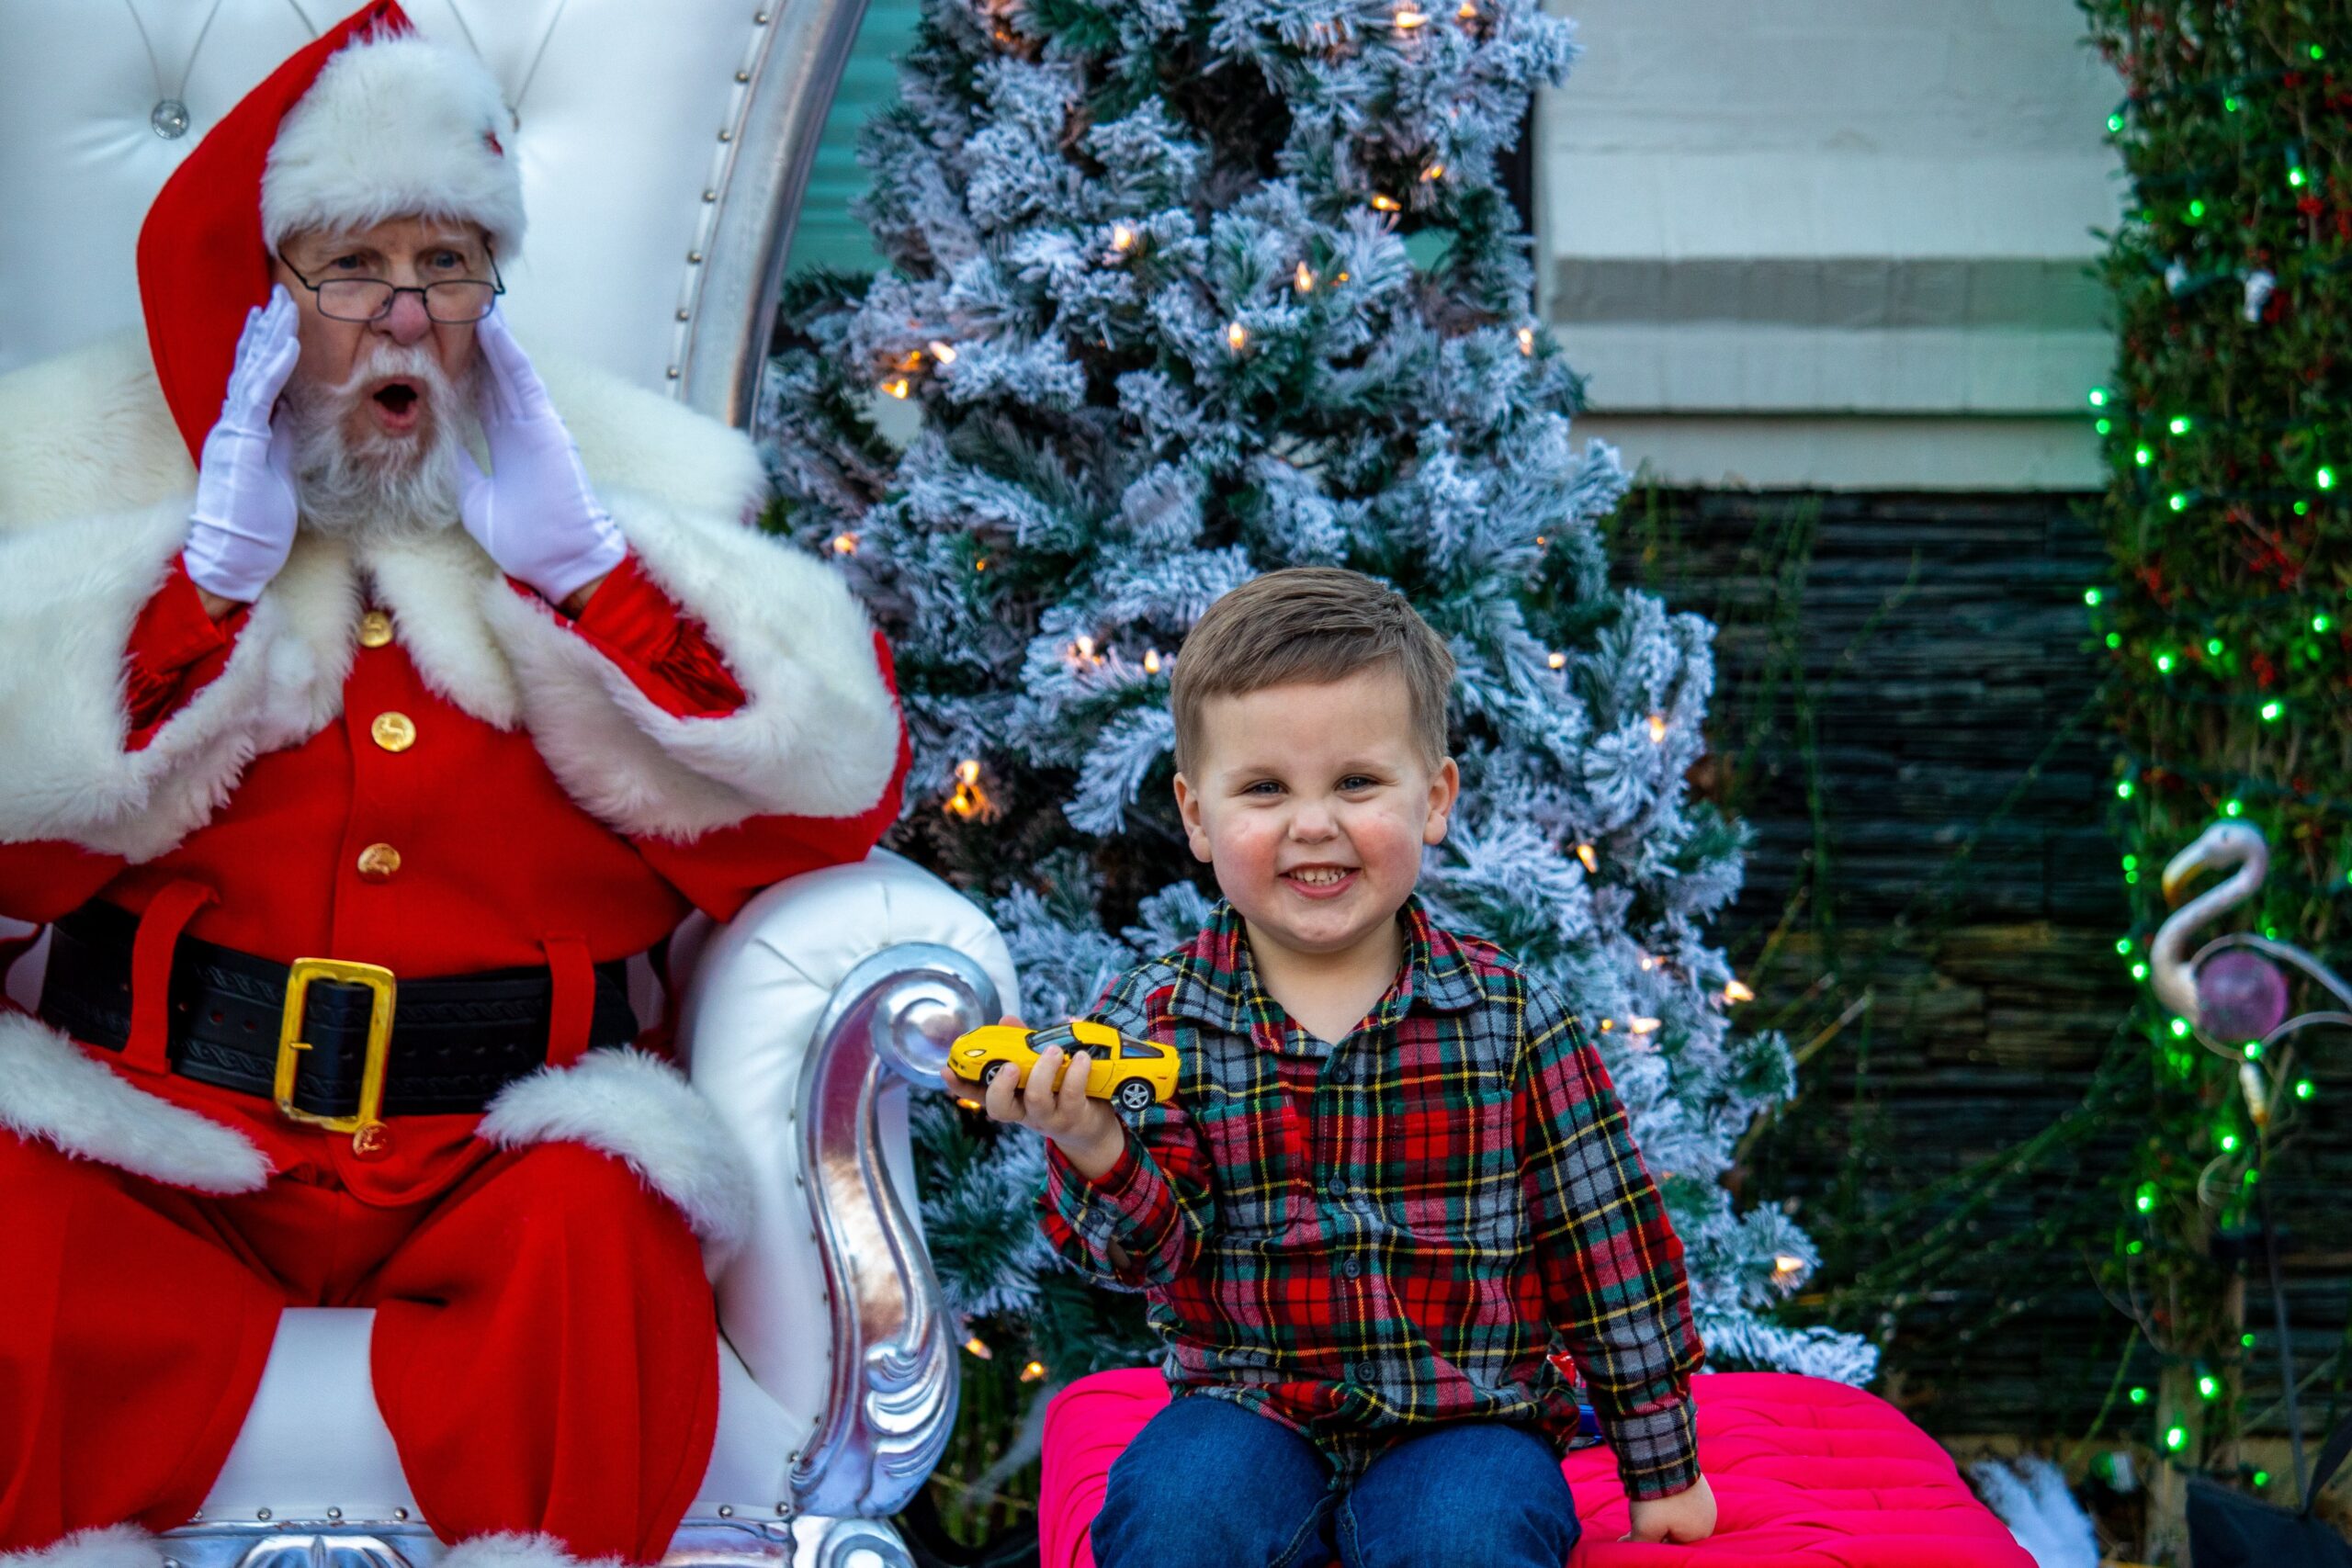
(367, 122)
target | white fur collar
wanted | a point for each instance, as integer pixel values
(94, 491)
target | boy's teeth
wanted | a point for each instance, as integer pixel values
(1320, 877)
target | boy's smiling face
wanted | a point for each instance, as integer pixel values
(1313, 803)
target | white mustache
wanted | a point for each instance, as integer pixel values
(354, 480)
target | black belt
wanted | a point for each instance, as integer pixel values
(456, 1041)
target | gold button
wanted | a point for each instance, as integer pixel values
(373, 1140)
(393, 731)
(377, 862)
(375, 630)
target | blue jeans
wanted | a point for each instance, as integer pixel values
(1208, 1484)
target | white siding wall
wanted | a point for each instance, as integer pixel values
(1833, 243)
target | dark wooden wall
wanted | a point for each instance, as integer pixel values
(1907, 718)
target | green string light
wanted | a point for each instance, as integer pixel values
(2091, 597)
(2123, 789)
(2176, 1438)
(2138, 1396)
(2179, 424)
(2326, 478)
(2196, 210)
(2320, 623)
(2245, 1341)
(2143, 456)
(2139, 971)
(2233, 807)
(2114, 122)
(2180, 1029)
(2306, 1088)
(2213, 648)
(2164, 663)
(2229, 1143)
(2270, 712)
(2179, 501)
(2098, 397)
(2209, 1386)
(2115, 639)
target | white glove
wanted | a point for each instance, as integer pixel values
(243, 523)
(534, 511)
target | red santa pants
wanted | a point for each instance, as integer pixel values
(544, 1348)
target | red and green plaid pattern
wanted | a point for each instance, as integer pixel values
(1360, 1238)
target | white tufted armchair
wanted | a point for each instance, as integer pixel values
(663, 147)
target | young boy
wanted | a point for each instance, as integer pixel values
(1395, 1171)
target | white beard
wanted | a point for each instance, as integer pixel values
(376, 485)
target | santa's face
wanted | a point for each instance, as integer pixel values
(379, 409)
(389, 405)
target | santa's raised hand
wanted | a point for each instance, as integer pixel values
(242, 526)
(535, 510)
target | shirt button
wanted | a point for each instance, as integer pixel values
(393, 731)
(1367, 1373)
(1352, 1267)
(372, 1141)
(379, 861)
(1336, 1188)
(1339, 1075)
(375, 630)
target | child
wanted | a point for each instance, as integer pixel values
(1395, 1171)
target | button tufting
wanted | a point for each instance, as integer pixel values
(168, 119)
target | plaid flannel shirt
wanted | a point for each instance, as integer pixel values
(1360, 1239)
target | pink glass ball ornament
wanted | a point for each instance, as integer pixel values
(2240, 995)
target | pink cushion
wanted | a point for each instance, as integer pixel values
(1807, 1474)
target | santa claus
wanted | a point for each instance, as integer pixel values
(349, 766)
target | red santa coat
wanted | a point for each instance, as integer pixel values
(489, 784)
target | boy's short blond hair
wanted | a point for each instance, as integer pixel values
(1310, 624)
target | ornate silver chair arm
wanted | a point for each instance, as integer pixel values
(809, 1018)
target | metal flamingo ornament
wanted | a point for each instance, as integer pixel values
(2232, 989)
(2234, 996)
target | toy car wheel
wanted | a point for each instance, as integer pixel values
(1133, 1095)
(989, 1073)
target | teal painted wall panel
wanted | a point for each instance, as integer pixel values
(827, 234)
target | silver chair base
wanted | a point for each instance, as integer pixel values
(805, 1542)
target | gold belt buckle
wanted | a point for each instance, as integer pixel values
(290, 1043)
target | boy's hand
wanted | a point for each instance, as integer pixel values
(1684, 1517)
(1086, 1130)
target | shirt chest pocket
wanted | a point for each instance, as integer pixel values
(1261, 1182)
(1450, 1157)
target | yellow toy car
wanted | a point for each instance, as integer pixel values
(1129, 1073)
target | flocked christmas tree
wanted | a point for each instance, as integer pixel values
(1189, 289)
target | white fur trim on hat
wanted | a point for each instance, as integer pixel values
(392, 128)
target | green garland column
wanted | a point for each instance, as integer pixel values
(2227, 427)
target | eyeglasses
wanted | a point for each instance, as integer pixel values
(453, 301)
